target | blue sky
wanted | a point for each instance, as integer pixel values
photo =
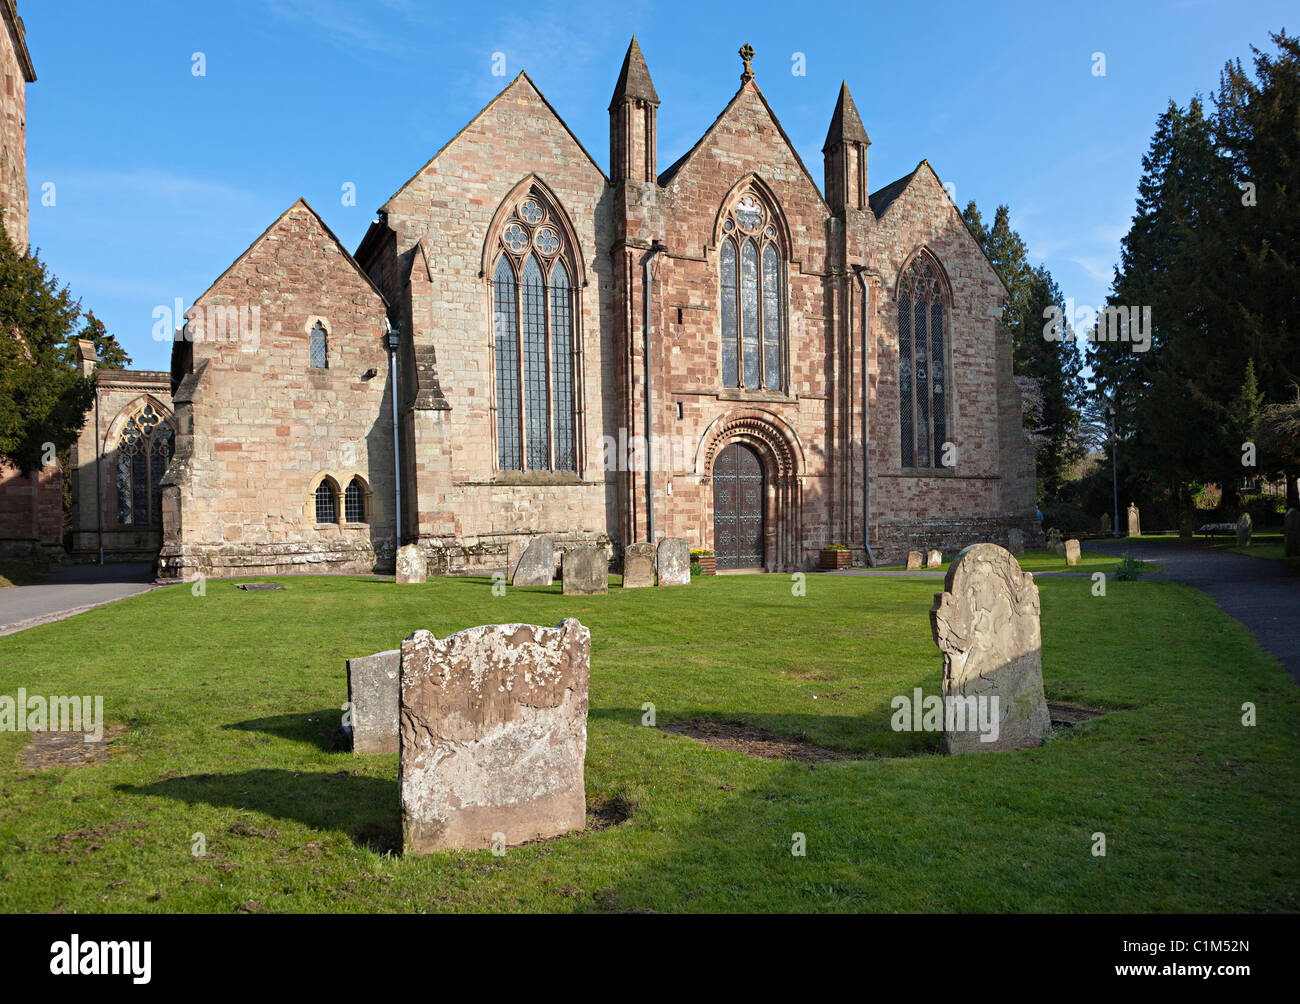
(161, 178)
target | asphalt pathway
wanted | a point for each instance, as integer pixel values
(70, 590)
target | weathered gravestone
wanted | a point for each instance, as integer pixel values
(1104, 526)
(373, 683)
(986, 624)
(1134, 521)
(412, 568)
(674, 562)
(934, 559)
(1187, 525)
(639, 565)
(1073, 553)
(536, 565)
(493, 735)
(1054, 541)
(913, 560)
(1016, 540)
(1245, 527)
(1291, 534)
(584, 570)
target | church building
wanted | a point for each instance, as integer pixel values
(721, 351)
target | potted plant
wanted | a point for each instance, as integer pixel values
(835, 556)
(706, 559)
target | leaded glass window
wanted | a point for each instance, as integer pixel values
(750, 277)
(354, 502)
(144, 449)
(922, 364)
(326, 503)
(319, 356)
(533, 306)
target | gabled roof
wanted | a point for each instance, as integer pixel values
(18, 35)
(522, 76)
(634, 79)
(673, 169)
(846, 123)
(330, 233)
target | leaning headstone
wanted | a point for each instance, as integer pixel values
(373, 683)
(412, 567)
(1016, 540)
(986, 623)
(584, 571)
(674, 562)
(1244, 529)
(639, 565)
(1054, 541)
(1187, 525)
(1073, 553)
(1291, 534)
(913, 560)
(1104, 526)
(536, 565)
(1134, 521)
(934, 559)
(493, 735)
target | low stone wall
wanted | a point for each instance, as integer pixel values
(236, 561)
(892, 541)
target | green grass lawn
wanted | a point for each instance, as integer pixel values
(1046, 560)
(231, 704)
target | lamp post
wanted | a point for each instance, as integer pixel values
(1114, 474)
(391, 341)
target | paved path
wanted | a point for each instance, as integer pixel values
(1261, 593)
(70, 590)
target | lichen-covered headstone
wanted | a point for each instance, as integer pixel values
(674, 562)
(934, 559)
(1134, 521)
(373, 684)
(493, 735)
(1291, 534)
(412, 566)
(1073, 553)
(986, 623)
(914, 560)
(639, 565)
(1016, 540)
(536, 565)
(584, 571)
(1245, 527)
(1054, 541)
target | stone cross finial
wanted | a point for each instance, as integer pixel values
(747, 54)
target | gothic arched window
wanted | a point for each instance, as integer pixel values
(922, 363)
(144, 449)
(319, 355)
(326, 502)
(354, 502)
(750, 276)
(533, 339)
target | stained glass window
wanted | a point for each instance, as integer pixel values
(144, 449)
(354, 502)
(326, 506)
(922, 364)
(533, 303)
(752, 329)
(319, 356)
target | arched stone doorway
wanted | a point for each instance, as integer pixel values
(739, 501)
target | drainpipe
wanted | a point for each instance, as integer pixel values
(655, 248)
(858, 270)
(391, 342)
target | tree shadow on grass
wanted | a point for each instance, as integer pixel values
(365, 808)
(322, 729)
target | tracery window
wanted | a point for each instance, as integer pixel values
(922, 363)
(533, 339)
(326, 503)
(753, 328)
(144, 449)
(354, 502)
(319, 355)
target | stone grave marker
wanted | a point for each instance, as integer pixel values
(674, 562)
(1016, 540)
(639, 565)
(584, 571)
(934, 559)
(412, 567)
(493, 735)
(1073, 553)
(536, 565)
(1245, 527)
(373, 683)
(1134, 521)
(914, 560)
